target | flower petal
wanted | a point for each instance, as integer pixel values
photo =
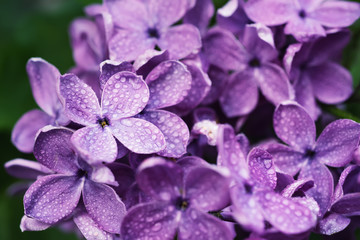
(200, 15)
(339, 191)
(167, 12)
(299, 185)
(348, 204)
(149, 60)
(125, 95)
(109, 68)
(30, 224)
(333, 223)
(53, 197)
(25, 169)
(219, 80)
(138, 135)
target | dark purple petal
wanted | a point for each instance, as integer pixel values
(205, 113)
(24, 132)
(157, 220)
(125, 95)
(195, 225)
(54, 150)
(189, 162)
(333, 223)
(219, 79)
(348, 204)
(53, 197)
(232, 16)
(25, 169)
(124, 175)
(167, 12)
(200, 15)
(30, 224)
(336, 144)
(44, 80)
(175, 131)
(159, 178)
(95, 144)
(109, 68)
(299, 185)
(169, 83)
(104, 206)
(339, 191)
(149, 60)
(294, 126)
(138, 135)
(81, 104)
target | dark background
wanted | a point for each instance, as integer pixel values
(39, 28)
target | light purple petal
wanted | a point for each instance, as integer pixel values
(25, 169)
(348, 204)
(138, 135)
(181, 41)
(95, 144)
(103, 174)
(195, 225)
(284, 214)
(157, 220)
(175, 131)
(294, 126)
(125, 95)
(169, 83)
(81, 104)
(240, 95)
(89, 229)
(30, 224)
(159, 178)
(299, 185)
(24, 132)
(109, 68)
(336, 144)
(167, 12)
(200, 15)
(333, 223)
(44, 80)
(304, 29)
(53, 197)
(189, 162)
(104, 206)
(53, 149)
(332, 83)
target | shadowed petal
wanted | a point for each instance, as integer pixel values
(138, 135)
(175, 131)
(149, 60)
(125, 177)
(348, 204)
(30, 224)
(200, 15)
(336, 144)
(24, 132)
(339, 191)
(294, 126)
(25, 169)
(167, 12)
(189, 162)
(53, 197)
(333, 223)
(169, 83)
(109, 68)
(218, 79)
(125, 94)
(81, 103)
(299, 185)
(304, 95)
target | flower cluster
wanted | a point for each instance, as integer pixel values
(161, 130)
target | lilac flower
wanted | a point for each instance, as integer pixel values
(334, 147)
(55, 196)
(44, 81)
(200, 15)
(304, 19)
(125, 95)
(180, 203)
(141, 25)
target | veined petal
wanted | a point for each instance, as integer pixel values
(109, 68)
(25, 169)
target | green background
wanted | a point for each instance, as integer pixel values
(39, 28)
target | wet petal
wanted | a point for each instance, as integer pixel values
(95, 144)
(149, 60)
(167, 12)
(81, 103)
(175, 131)
(336, 144)
(333, 223)
(125, 95)
(299, 185)
(348, 204)
(169, 83)
(24, 132)
(294, 126)
(103, 174)
(30, 224)
(104, 206)
(25, 169)
(138, 135)
(339, 191)
(109, 68)
(53, 197)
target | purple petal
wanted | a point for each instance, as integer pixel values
(44, 80)
(156, 220)
(348, 204)
(232, 16)
(109, 68)
(205, 113)
(25, 169)
(124, 175)
(30, 224)
(125, 95)
(53, 197)
(219, 80)
(81, 103)
(95, 144)
(284, 214)
(333, 223)
(149, 60)
(189, 162)
(196, 225)
(304, 29)
(104, 206)
(103, 174)
(241, 95)
(181, 41)
(294, 126)
(207, 189)
(138, 135)
(200, 15)
(24, 132)
(89, 229)
(167, 12)
(332, 83)
(159, 178)
(169, 83)
(175, 131)
(339, 191)
(336, 144)
(299, 185)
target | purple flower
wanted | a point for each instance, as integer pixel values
(124, 95)
(304, 19)
(142, 25)
(334, 147)
(181, 201)
(44, 82)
